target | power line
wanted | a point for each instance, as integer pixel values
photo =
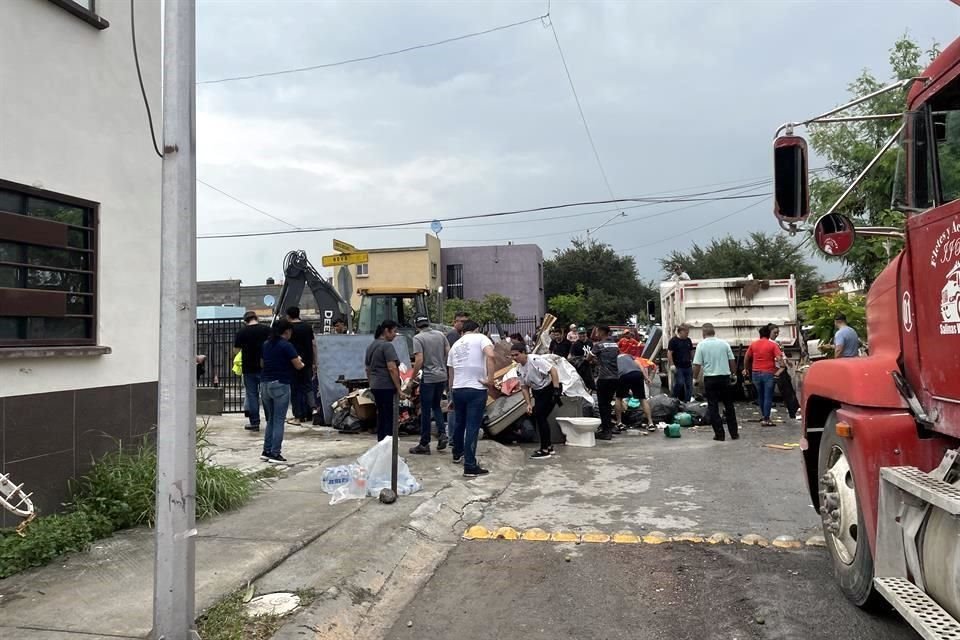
(695, 229)
(583, 118)
(253, 234)
(247, 204)
(374, 56)
(143, 90)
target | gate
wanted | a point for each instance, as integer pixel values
(215, 340)
(524, 325)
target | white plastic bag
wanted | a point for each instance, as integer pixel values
(377, 462)
(355, 489)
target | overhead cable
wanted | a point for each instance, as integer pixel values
(375, 56)
(247, 204)
(695, 229)
(143, 90)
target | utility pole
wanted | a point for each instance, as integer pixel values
(173, 594)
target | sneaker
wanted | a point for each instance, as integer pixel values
(265, 456)
(540, 454)
(735, 436)
(604, 435)
(421, 449)
(252, 427)
(276, 459)
(552, 450)
(651, 428)
(719, 438)
(457, 459)
(442, 443)
(474, 472)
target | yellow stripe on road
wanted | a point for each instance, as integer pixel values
(536, 534)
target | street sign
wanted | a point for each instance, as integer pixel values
(343, 247)
(342, 259)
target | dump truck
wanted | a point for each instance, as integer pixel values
(881, 432)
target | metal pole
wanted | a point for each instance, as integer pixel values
(396, 444)
(173, 598)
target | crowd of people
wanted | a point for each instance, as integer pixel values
(279, 366)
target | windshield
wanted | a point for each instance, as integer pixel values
(374, 309)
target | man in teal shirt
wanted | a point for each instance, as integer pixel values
(715, 359)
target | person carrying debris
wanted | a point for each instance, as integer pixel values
(604, 354)
(430, 348)
(540, 384)
(714, 358)
(782, 378)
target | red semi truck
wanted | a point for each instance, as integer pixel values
(881, 433)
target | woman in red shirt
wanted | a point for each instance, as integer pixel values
(760, 365)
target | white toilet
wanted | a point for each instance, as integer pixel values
(579, 431)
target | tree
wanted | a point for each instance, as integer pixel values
(820, 311)
(766, 256)
(849, 147)
(492, 309)
(592, 279)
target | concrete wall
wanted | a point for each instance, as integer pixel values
(400, 267)
(72, 121)
(515, 271)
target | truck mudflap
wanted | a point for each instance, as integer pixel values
(916, 555)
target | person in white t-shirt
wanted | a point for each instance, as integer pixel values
(471, 368)
(540, 384)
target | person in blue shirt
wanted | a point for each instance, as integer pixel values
(846, 342)
(280, 361)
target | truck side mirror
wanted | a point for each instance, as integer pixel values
(791, 197)
(834, 234)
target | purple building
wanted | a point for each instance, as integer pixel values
(512, 270)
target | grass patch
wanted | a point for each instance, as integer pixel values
(117, 493)
(227, 619)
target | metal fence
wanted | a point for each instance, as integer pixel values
(524, 325)
(215, 340)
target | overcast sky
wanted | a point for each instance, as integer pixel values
(677, 94)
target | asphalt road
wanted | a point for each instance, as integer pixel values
(526, 589)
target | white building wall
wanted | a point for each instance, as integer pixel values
(72, 121)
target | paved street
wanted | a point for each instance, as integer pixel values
(528, 589)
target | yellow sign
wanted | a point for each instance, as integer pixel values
(342, 259)
(343, 247)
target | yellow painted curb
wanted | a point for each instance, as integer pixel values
(536, 535)
(787, 542)
(506, 533)
(626, 537)
(720, 538)
(755, 540)
(656, 537)
(564, 536)
(477, 532)
(595, 536)
(687, 536)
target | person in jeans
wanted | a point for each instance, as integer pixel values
(714, 358)
(540, 385)
(249, 343)
(430, 348)
(604, 354)
(458, 319)
(471, 367)
(783, 380)
(761, 361)
(680, 359)
(383, 372)
(280, 362)
(304, 341)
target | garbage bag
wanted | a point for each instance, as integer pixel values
(663, 408)
(354, 489)
(378, 463)
(633, 417)
(699, 412)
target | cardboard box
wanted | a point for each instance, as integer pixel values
(363, 406)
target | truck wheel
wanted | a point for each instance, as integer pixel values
(843, 524)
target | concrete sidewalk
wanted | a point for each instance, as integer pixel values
(287, 537)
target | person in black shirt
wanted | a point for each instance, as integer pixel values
(249, 342)
(604, 354)
(680, 358)
(578, 358)
(303, 340)
(559, 345)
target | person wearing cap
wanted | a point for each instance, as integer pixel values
(249, 343)
(578, 358)
(430, 348)
(540, 385)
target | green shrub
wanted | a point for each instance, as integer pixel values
(819, 311)
(121, 486)
(48, 537)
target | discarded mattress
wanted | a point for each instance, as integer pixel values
(504, 412)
